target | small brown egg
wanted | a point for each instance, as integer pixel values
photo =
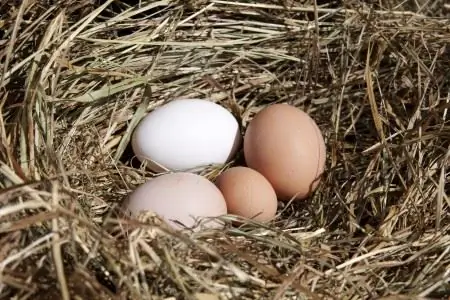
(248, 194)
(180, 197)
(285, 145)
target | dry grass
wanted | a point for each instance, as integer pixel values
(76, 77)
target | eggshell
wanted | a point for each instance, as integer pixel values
(182, 197)
(186, 134)
(248, 194)
(286, 146)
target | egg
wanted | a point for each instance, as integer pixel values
(186, 134)
(286, 146)
(248, 194)
(181, 199)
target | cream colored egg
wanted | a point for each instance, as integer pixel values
(181, 197)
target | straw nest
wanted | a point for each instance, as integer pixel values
(77, 76)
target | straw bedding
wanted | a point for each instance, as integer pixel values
(77, 76)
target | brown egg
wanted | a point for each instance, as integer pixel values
(248, 194)
(284, 144)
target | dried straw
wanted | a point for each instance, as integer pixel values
(77, 76)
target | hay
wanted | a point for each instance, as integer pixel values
(78, 75)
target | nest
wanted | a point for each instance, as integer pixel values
(77, 76)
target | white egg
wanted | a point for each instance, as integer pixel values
(186, 134)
